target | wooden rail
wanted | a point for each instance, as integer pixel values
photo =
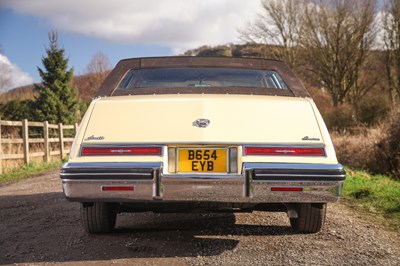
(46, 140)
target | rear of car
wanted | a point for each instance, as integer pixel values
(202, 134)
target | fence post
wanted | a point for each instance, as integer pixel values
(61, 136)
(1, 152)
(25, 137)
(46, 141)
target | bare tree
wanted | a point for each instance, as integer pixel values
(98, 69)
(279, 24)
(391, 38)
(337, 37)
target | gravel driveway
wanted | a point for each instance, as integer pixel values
(38, 226)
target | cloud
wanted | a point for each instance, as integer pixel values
(179, 24)
(11, 76)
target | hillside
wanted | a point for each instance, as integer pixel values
(87, 86)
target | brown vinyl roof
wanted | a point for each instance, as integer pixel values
(109, 87)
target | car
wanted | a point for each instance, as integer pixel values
(212, 134)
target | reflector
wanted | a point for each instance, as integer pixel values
(119, 188)
(286, 189)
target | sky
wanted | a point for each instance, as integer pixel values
(118, 28)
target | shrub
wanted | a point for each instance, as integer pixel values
(387, 150)
(372, 110)
(339, 118)
(356, 151)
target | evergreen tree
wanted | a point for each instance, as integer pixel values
(57, 101)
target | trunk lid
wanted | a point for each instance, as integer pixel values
(238, 119)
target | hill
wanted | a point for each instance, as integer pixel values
(87, 86)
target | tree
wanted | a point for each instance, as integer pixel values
(98, 69)
(57, 100)
(279, 24)
(16, 110)
(391, 38)
(337, 37)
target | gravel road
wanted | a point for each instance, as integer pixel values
(38, 226)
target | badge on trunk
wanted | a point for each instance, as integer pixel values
(201, 122)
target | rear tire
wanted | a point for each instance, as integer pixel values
(98, 217)
(311, 217)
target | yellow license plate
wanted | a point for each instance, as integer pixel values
(202, 160)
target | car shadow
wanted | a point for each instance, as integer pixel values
(46, 228)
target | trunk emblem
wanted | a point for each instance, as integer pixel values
(202, 122)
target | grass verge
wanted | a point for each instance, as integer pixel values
(29, 170)
(377, 194)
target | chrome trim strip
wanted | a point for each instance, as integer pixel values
(201, 176)
(340, 177)
(296, 172)
(112, 165)
(198, 144)
(66, 175)
(294, 166)
(95, 171)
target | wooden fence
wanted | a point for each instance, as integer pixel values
(46, 139)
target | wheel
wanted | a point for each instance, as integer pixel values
(98, 217)
(310, 217)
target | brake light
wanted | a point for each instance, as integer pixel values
(284, 151)
(106, 151)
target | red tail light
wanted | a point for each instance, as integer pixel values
(282, 189)
(120, 188)
(284, 151)
(106, 151)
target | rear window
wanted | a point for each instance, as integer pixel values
(201, 77)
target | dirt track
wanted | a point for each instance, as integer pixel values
(39, 226)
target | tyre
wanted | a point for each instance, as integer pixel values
(310, 217)
(98, 217)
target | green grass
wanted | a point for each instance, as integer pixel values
(29, 170)
(377, 194)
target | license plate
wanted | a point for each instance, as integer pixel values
(202, 160)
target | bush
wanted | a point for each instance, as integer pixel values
(356, 151)
(372, 110)
(387, 151)
(339, 118)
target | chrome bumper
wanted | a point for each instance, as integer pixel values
(259, 183)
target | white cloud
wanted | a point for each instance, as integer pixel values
(11, 76)
(179, 24)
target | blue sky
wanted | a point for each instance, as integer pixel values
(119, 28)
(23, 40)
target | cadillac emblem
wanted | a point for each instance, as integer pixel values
(201, 122)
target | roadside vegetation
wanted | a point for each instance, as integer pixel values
(376, 194)
(28, 171)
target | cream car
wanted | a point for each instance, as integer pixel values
(182, 134)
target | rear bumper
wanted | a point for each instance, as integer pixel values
(259, 183)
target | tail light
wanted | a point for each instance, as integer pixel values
(120, 150)
(285, 151)
(118, 188)
(287, 189)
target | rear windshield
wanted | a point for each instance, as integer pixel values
(201, 77)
